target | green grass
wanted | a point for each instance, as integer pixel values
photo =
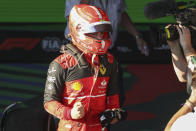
(53, 11)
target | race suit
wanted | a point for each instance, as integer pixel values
(71, 78)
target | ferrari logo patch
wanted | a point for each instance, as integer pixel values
(102, 69)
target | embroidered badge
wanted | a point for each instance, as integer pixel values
(102, 69)
(104, 83)
(76, 86)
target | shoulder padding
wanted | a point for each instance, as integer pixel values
(73, 51)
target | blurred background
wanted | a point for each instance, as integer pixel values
(31, 32)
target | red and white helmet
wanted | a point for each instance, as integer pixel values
(84, 20)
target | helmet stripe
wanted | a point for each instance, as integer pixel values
(98, 12)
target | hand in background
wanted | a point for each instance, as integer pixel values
(142, 46)
(185, 36)
(77, 112)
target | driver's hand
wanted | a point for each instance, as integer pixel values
(77, 112)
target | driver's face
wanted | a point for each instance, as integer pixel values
(99, 35)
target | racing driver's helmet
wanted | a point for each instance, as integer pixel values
(85, 22)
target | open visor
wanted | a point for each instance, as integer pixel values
(103, 27)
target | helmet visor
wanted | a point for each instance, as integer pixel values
(99, 31)
(101, 28)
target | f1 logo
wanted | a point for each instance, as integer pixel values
(25, 43)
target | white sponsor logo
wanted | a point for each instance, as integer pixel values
(103, 83)
(52, 70)
(102, 87)
(101, 92)
(50, 87)
(51, 79)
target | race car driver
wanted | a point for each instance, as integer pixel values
(82, 82)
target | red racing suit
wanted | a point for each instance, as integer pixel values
(73, 78)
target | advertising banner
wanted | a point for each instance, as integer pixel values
(29, 46)
(43, 46)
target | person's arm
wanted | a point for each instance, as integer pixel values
(112, 102)
(186, 108)
(178, 60)
(129, 26)
(185, 42)
(53, 92)
(180, 49)
(112, 89)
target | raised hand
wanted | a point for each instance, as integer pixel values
(77, 112)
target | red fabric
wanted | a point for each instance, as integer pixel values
(84, 87)
(59, 110)
(66, 61)
(113, 101)
(110, 58)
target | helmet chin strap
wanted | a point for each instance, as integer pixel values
(93, 58)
